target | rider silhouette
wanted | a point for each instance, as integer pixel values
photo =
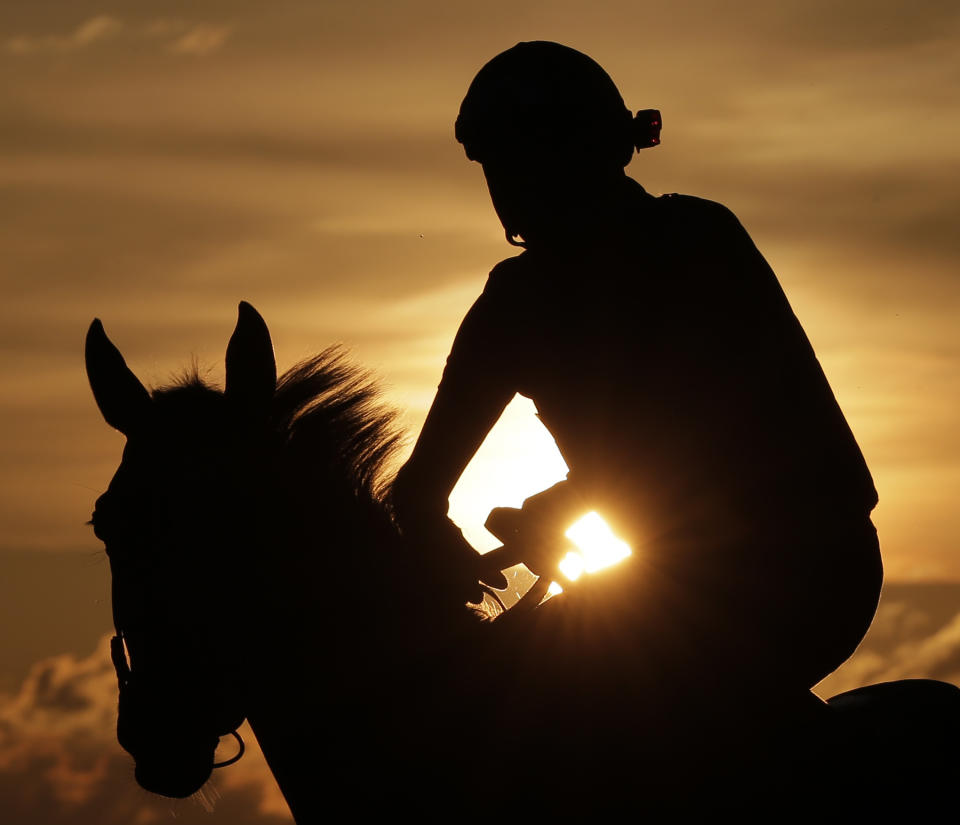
(664, 358)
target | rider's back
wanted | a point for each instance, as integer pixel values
(668, 360)
(692, 411)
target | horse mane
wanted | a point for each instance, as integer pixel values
(326, 416)
(334, 443)
(328, 411)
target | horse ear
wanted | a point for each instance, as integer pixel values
(122, 399)
(251, 366)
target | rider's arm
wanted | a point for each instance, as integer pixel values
(477, 384)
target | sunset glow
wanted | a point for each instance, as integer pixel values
(518, 459)
(572, 565)
(163, 161)
(597, 544)
(597, 548)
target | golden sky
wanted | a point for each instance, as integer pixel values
(163, 160)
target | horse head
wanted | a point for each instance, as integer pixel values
(269, 496)
(194, 459)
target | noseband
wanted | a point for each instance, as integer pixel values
(121, 666)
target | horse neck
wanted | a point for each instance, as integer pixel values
(350, 660)
(306, 697)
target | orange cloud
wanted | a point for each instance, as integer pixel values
(915, 635)
(99, 28)
(180, 36)
(201, 39)
(60, 762)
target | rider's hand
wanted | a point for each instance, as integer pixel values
(534, 535)
(452, 562)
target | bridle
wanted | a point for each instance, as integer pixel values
(125, 676)
(118, 656)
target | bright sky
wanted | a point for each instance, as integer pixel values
(163, 160)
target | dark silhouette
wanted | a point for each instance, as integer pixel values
(682, 392)
(257, 573)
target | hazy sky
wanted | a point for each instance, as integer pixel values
(163, 160)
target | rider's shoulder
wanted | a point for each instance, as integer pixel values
(509, 267)
(509, 275)
(694, 209)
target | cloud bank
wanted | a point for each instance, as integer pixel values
(60, 763)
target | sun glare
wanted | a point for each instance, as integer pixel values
(572, 566)
(597, 544)
(597, 547)
(517, 459)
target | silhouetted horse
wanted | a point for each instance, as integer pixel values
(257, 574)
